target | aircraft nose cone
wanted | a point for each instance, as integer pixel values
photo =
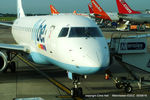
(102, 57)
(105, 57)
(99, 60)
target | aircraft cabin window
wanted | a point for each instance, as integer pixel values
(85, 32)
(63, 32)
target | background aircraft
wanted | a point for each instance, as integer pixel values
(123, 8)
(100, 13)
(76, 45)
(90, 9)
(126, 13)
(56, 12)
(53, 10)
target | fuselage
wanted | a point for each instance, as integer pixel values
(59, 40)
(108, 16)
(137, 18)
(113, 16)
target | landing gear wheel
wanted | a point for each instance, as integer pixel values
(119, 85)
(128, 89)
(13, 67)
(72, 92)
(80, 92)
(76, 92)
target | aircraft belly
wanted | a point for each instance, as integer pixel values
(41, 59)
(38, 58)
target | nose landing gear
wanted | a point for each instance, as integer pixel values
(76, 91)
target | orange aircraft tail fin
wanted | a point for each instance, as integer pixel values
(99, 12)
(53, 10)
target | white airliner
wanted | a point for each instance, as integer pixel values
(74, 43)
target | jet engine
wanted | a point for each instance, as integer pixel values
(3, 61)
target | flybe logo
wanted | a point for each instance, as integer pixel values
(39, 34)
(97, 6)
(126, 6)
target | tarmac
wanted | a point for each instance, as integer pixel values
(27, 83)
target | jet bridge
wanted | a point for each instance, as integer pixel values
(131, 50)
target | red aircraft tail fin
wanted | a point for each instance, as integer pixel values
(99, 12)
(123, 8)
(90, 9)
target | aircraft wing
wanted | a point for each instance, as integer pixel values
(14, 47)
(5, 24)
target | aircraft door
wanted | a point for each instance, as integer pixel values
(50, 40)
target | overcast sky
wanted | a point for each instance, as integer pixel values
(67, 6)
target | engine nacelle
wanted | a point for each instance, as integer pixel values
(3, 61)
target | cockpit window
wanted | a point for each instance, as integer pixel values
(85, 32)
(63, 32)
